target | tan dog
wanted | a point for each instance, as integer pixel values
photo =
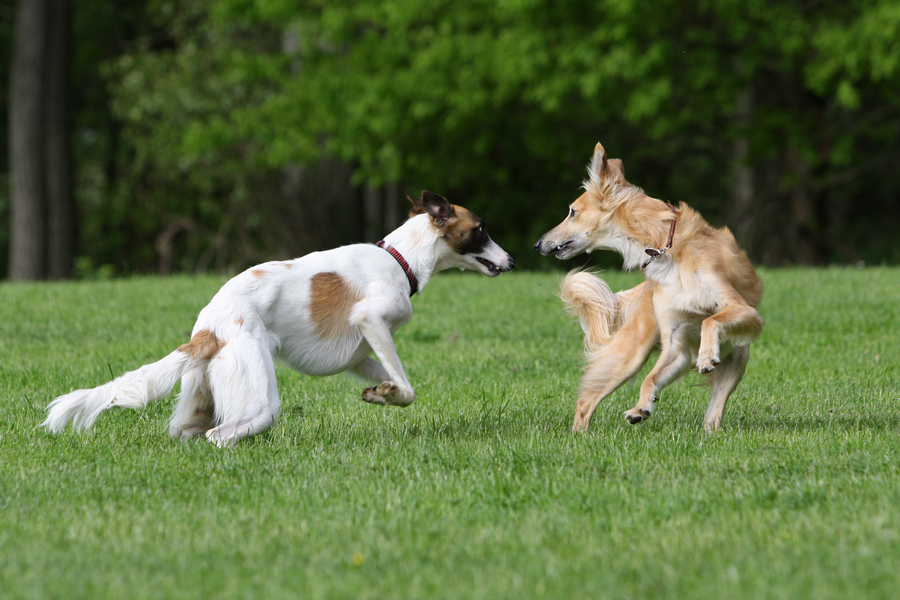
(698, 301)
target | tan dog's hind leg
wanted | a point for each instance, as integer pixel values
(725, 379)
(618, 361)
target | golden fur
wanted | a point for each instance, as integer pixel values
(204, 344)
(698, 302)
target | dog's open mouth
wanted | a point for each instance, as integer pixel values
(560, 249)
(491, 267)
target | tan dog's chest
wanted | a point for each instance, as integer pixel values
(694, 294)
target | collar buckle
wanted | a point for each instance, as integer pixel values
(655, 253)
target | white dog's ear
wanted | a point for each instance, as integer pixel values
(439, 208)
(417, 208)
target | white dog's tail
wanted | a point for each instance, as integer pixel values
(589, 298)
(134, 389)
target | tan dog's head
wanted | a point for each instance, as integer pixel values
(589, 224)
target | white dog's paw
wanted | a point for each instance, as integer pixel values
(187, 433)
(372, 396)
(705, 364)
(636, 415)
(387, 393)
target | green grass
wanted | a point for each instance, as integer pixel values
(478, 490)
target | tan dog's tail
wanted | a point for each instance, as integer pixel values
(598, 309)
(589, 298)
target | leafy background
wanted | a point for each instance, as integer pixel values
(193, 117)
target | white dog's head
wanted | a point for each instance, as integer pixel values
(465, 241)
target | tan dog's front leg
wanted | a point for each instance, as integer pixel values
(674, 358)
(736, 321)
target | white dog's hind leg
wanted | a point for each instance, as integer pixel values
(397, 390)
(244, 389)
(193, 415)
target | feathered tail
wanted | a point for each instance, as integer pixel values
(599, 311)
(134, 389)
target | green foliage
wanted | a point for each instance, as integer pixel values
(498, 104)
(188, 113)
(477, 490)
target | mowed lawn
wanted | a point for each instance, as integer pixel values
(479, 489)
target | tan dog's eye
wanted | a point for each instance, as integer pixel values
(571, 213)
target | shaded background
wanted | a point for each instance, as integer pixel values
(163, 136)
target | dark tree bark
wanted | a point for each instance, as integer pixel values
(742, 188)
(321, 205)
(26, 150)
(382, 212)
(61, 218)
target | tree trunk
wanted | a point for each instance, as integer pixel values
(382, 211)
(59, 190)
(742, 188)
(321, 207)
(27, 202)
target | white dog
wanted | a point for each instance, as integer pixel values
(321, 314)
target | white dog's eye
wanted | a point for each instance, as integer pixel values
(571, 213)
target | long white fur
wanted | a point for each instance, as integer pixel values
(262, 314)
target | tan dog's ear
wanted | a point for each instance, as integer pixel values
(615, 170)
(598, 163)
(602, 169)
(439, 208)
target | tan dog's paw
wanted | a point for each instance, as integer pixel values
(706, 364)
(582, 417)
(636, 415)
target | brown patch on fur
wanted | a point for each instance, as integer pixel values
(239, 321)
(460, 228)
(257, 273)
(331, 299)
(204, 344)
(287, 265)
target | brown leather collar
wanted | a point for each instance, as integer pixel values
(655, 253)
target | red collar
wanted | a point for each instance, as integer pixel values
(413, 282)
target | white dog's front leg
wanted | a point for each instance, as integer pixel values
(370, 370)
(397, 390)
